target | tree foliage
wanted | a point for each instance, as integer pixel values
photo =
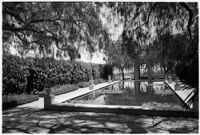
(41, 24)
(118, 56)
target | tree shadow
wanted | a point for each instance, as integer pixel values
(29, 120)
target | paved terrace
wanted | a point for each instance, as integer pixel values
(31, 118)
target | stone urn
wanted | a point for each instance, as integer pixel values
(91, 81)
(91, 86)
(48, 91)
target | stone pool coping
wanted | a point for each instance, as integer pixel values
(60, 98)
(131, 110)
(81, 92)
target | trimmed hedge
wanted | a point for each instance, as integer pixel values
(17, 99)
(86, 84)
(83, 84)
(33, 74)
(64, 89)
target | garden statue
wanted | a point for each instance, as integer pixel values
(109, 79)
(91, 86)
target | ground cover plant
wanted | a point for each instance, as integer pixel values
(12, 100)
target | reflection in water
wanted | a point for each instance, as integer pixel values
(134, 93)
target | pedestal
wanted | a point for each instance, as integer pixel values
(109, 81)
(48, 100)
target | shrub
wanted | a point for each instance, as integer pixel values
(14, 75)
(95, 71)
(15, 99)
(61, 89)
(83, 84)
(64, 89)
(107, 70)
(29, 74)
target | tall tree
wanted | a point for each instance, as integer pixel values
(118, 57)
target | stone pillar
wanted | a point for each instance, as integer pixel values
(136, 70)
(48, 98)
(150, 75)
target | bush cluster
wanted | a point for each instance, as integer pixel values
(33, 74)
(106, 70)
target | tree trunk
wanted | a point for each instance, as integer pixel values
(122, 69)
(136, 70)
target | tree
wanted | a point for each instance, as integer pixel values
(166, 30)
(45, 23)
(118, 57)
(145, 21)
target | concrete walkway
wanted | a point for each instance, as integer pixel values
(70, 95)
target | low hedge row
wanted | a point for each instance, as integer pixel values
(86, 84)
(17, 99)
(57, 90)
(83, 84)
(33, 74)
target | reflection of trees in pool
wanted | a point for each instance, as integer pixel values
(137, 96)
(132, 94)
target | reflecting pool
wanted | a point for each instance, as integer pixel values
(148, 94)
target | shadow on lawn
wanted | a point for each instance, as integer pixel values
(28, 120)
